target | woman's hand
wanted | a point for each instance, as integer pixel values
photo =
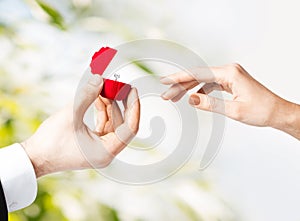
(64, 142)
(251, 103)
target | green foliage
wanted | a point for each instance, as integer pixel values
(55, 17)
(16, 120)
(144, 67)
(108, 213)
(4, 30)
(189, 211)
(19, 119)
(43, 209)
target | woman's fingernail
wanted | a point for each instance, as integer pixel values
(165, 80)
(194, 100)
(163, 95)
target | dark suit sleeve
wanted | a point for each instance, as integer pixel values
(3, 207)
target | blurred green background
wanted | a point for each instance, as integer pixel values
(46, 47)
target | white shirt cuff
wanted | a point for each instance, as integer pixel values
(17, 177)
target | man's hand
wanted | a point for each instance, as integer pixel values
(252, 103)
(64, 142)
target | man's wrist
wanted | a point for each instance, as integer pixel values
(35, 161)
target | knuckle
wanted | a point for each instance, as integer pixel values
(235, 68)
(235, 71)
(206, 103)
(212, 103)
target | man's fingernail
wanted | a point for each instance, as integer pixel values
(95, 79)
(194, 100)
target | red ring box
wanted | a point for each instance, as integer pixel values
(113, 90)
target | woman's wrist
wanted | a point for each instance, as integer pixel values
(286, 117)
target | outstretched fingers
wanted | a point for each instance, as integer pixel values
(205, 102)
(200, 74)
(178, 90)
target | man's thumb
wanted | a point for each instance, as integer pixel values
(86, 95)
